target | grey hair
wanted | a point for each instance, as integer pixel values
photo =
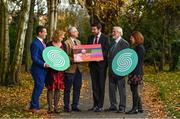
(72, 29)
(119, 29)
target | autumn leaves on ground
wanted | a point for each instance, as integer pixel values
(160, 96)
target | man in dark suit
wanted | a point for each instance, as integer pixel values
(38, 68)
(98, 69)
(116, 81)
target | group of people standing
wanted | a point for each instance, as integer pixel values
(72, 77)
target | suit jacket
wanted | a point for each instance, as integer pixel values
(69, 50)
(139, 68)
(104, 41)
(36, 49)
(122, 44)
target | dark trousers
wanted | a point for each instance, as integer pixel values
(98, 77)
(135, 97)
(75, 80)
(39, 80)
(114, 84)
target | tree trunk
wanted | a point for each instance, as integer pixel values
(28, 38)
(163, 49)
(5, 52)
(0, 29)
(162, 60)
(155, 65)
(55, 14)
(17, 57)
(52, 16)
(51, 7)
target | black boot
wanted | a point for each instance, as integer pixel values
(56, 100)
(49, 100)
(140, 106)
(134, 109)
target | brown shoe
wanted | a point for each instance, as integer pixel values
(34, 110)
(31, 110)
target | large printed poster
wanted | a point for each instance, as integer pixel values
(85, 53)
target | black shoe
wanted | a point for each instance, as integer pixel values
(140, 110)
(110, 109)
(121, 111)
(66, 110)
(98, 110)
(133, 111)
(76, 110)
(92, 109)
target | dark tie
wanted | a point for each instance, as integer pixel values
(113, 46)
(75, 43)
(96, 40)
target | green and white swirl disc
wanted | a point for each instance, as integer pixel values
(124, 62)
(56, 58)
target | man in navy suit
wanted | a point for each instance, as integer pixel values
(38, 68)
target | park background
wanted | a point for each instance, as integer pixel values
(157, 20)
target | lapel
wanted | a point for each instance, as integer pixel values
(100, 39)
(41, 46)
(92, 39)
(77, 41)
(117, 47)
(71, 42)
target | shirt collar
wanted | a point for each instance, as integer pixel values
(40, 39)
(99, 35)
(73, 39)
(118, 39)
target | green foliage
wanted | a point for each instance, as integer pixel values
(175, 56)
(162, 92)
(78, 19)
(158, 20)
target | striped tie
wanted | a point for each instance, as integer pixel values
(113, 46)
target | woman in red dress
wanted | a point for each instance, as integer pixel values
(55, 79)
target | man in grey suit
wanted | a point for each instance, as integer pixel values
(115, 81)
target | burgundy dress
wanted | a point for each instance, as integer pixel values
(54, 79)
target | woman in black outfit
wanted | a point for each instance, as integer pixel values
(135, 77)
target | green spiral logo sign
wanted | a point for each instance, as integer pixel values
(56, 58)
(124, 62)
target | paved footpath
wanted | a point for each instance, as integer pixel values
(86, 103)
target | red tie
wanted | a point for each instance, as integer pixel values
(96, 40)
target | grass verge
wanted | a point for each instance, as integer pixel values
(168, 85)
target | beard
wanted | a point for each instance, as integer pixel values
(114, 37)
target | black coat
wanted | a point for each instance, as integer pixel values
(139, 68)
